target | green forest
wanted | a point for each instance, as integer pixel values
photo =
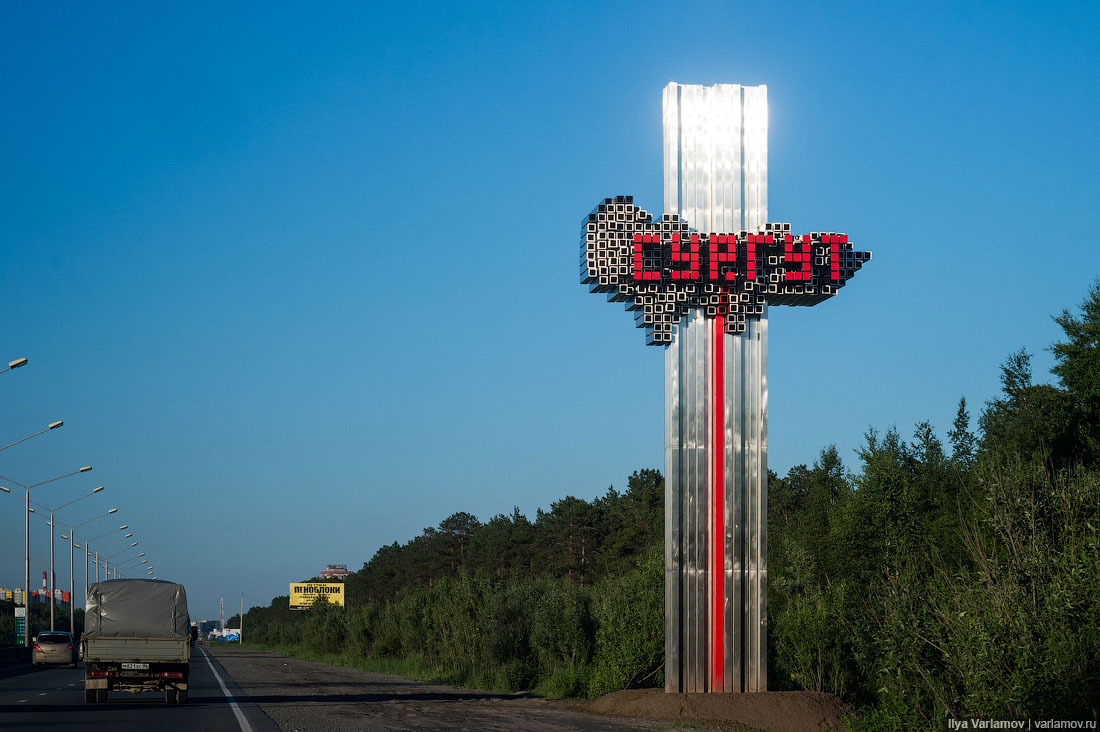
(928, 580)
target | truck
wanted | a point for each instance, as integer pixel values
(137, 637)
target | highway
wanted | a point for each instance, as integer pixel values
(269, 692)
(52, 698)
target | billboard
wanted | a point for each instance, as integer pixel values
(302, 594)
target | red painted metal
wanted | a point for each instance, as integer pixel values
(718, 447)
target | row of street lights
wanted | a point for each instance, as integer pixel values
(71, 536)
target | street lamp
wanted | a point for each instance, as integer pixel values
(15, 364)
(74, 527)
(52, 578)
(120, 528)
(106, 546)
(27, 530)
(51, 426)
(120, 565)
(106, 562)
(72, 583)
(72, 575)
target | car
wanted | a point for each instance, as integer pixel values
(54, 646)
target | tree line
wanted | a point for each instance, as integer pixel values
(931, 580)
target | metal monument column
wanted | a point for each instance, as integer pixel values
(704, 297)
(716, 406)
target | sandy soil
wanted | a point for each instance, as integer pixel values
(778, 711)
(306, 696)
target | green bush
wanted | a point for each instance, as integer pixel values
(630, 627)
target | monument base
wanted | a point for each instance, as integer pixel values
(716, 507)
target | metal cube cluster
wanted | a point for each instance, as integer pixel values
(663, 269)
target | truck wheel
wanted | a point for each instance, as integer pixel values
(100, 696)
(171, 696)
(181, 696)
(89, 696)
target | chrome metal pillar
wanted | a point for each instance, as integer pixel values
(72, 589)
(27, 566)
(51, 573)
(716, 402)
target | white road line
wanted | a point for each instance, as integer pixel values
(245, 726)
(21, 701)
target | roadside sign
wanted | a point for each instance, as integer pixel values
(304, 594)
(20, 625)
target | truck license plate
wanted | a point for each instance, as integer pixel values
(135, 667)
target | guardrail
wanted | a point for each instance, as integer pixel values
(14, 656)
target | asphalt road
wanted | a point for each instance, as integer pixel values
(308, 696)
(52, 698)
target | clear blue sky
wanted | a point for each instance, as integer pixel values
(302, 282)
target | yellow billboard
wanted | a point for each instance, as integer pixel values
(303, 594)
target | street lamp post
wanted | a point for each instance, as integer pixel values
(72, 573)
(87, 549)
(50, 426)
(143, 561)
(104, 550)
(53, 579)
(15, 364)
(72, 585)
(27, 526)
(107, 561)
(120, 565)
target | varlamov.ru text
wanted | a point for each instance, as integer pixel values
(1028, 724)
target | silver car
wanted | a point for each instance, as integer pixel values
(54, 646)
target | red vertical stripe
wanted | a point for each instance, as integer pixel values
(718, 565)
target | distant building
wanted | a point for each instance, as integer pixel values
(335, 571)
(37, 597)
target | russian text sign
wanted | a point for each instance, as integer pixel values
(304, 594)
(663, 269)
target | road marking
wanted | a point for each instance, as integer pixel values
(43, 693)
(21, 701)
(245, 726)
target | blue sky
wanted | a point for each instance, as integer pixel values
(301, 282)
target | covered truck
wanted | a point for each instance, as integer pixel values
(137, 637)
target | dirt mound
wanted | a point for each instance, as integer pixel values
(774, 711)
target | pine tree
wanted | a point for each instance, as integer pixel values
(962, 439)
(1078, 367)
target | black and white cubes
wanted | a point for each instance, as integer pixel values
(663, 269)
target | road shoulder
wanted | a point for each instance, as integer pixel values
(250, 716)
(303, 695)
(306, 696)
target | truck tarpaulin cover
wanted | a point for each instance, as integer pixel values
(137, 608)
